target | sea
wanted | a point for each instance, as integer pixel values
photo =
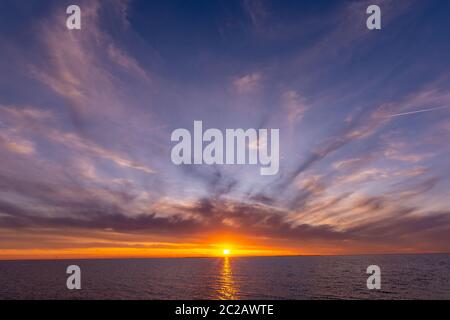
(422, 276)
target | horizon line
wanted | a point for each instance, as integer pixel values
(227, 256)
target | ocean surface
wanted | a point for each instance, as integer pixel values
(331, 277)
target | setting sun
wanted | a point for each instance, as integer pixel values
(226, 251)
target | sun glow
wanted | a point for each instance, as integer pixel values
(226, 251)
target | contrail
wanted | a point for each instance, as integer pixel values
(417, 111)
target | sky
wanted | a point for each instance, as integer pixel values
(86, 118)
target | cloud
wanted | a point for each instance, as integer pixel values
(248, 83)
(412, 158)
(346, 26)
(126, 61)
(75, 142)
(249, 220)
(431, 94)
(328, 147)
(348, 163)
(257, 11)
(27, 121)
(372, 174)
(294, 106)
(16, 144)
(365, 175)
(74, 67)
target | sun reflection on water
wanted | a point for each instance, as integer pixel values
(227, 290)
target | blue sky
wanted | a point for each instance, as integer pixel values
(86, 118)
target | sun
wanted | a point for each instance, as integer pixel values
(226, 251)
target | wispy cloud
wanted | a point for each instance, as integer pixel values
(248, 83)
